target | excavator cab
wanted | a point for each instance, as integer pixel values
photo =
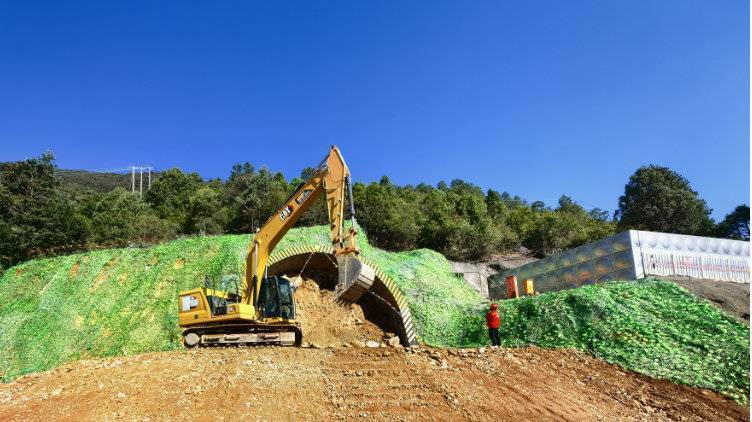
(276, 299)
(220, 292)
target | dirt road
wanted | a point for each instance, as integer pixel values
(347, 383)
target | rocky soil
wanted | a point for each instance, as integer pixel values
(385, 383)
(350, 369)
(327, 323)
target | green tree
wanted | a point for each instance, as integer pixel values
(522, 221)
(735, 225)
(457, 219)
(169, 195)
(493, 203)
(538, 205)
(391, 221)
(206, 215)
(567, 204)
(660, 199)
(36, 217)
(568, 226)
(457, 222)
(598, 214)
(120, 218)
(252, 197)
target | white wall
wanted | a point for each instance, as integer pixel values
(664, 254)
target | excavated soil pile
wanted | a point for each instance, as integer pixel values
(272, 383)
(326, 323)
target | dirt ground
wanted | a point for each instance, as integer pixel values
(326, 323)
(733, 298)
(335, 377)
(272, 383)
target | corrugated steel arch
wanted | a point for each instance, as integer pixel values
(402, 307)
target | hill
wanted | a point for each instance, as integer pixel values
(76, 181)
(122, 301)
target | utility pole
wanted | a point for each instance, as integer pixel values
(149, 177)
(133, 179)
(141, 181)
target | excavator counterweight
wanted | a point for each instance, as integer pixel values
(262, 309)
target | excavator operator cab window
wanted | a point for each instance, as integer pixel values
(287, 305)
(225, 288)
(218, 305)
(275, 298)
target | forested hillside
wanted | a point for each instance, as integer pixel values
(81, 181)
(47, 211)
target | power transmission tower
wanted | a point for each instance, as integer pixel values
(140, 178)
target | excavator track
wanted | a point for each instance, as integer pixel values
(243, 334)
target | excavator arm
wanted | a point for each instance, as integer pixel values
(331, 177)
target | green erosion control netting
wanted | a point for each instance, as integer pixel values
(123, 301)
(653, 327)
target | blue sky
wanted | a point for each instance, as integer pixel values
(535, 98)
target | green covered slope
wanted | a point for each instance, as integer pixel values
(123, 301)
(653, 327)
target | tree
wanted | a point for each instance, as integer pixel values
(494, 203)
(206, 215)
(598, 214)
(169, 195)
(390, 221)
(660, 199)
(567, 204)
(456, 222)
(546, 231)
(36, 217)
(121, 218)
(252, 197)
(538, 206)
(735, 225)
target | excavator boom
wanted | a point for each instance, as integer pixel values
(332, 177)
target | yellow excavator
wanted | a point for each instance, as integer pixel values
(262, 309)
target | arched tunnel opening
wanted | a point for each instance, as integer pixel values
(379, 305)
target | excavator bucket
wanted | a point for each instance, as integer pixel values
(355, 278)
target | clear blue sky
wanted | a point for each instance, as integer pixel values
(534, 98)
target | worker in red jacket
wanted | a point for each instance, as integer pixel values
(493, 321)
